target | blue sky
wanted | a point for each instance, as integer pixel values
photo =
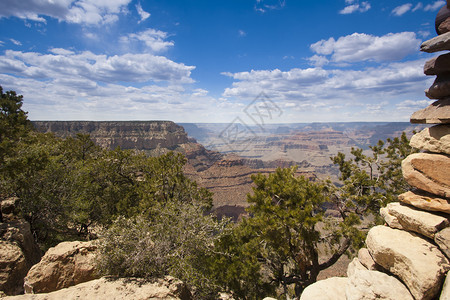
(207, 60)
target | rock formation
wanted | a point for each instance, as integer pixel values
(413, 248)
(65, 265)
(107, 288)
(18, 251)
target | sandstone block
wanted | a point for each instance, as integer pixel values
(13, 268)
(354, 265)
(368, 285)
(367, 261)
(425, 201)
(18, 252)
(422, 222)
(434, 139)
(442, 16)
(107, 288)
(437, 65)
(444, 26)
(428, 172)
(440, 88)
(439, 43)
(418, 263)
(390, 220)
(442, 239)
(67, 264)
(436, 113)
(329, 289)
(445, 294)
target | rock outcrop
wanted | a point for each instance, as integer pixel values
(18, 251)
(413, 248)
(65, 265)
(13, 268)
(107, 288)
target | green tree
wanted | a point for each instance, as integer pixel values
(369, 182)
(287, 240)
(13, 120)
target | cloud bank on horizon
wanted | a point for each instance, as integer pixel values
(345, 60)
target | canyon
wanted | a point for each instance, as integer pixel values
(225, 166)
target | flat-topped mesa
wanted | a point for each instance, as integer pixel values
(142, 135)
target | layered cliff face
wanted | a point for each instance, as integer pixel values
(141, 135)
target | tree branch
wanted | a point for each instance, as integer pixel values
(334, 258)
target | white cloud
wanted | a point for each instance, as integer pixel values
(318, 60)
(364, 47)
(435, 6)
(142, 13)
(241, 33)
(91, 12)
(152, 38)
(356, 7)
(333, 86)
(413, 105)
(265, 5)
(402, 9)
(423, 33)
(84, 99)
(65, 64)
(16, 42)
(418, 6)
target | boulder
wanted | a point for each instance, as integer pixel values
(422, 222)
(354, 265)
(445, 294)
(442, 239)
(18, 252)
(367, 261)
(442, 16)
(418, 263)
(438, 65)
(440, 88)
(13, 268)
(328, 289)
(67, 264)
(444, 26)
(428, 172)
(436, 113)
(439, 43)
(390, 220)
(107, 288)
(433, 139)
(368, 285)
(425, 201)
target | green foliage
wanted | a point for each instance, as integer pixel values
(288, 240)
(13, 122)
(63, 184)
(178, 241)
(370, 182)
(279, 240)
(67, 185)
